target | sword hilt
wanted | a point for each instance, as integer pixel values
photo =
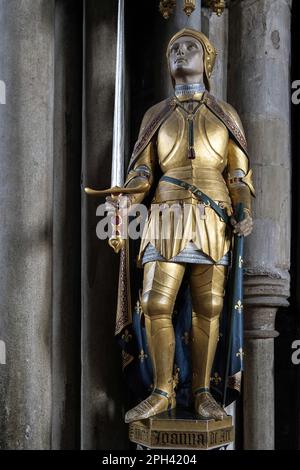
(116, 242)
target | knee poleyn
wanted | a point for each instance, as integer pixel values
(209, 306)
(156, 304)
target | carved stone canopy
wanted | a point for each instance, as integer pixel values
(166, 7)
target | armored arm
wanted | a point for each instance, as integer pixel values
(141, 170)
(239, 177)
(142, 173)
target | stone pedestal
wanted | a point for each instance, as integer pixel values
(181, 429)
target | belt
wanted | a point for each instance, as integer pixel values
(206, 200)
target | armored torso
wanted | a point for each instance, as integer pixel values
(201, 142)
(204, 171)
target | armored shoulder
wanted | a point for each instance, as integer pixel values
(151, 122)
(227, 114)
(232, 113)
(151, 113)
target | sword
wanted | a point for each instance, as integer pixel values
(117, 171)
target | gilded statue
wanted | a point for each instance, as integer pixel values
(197, 144)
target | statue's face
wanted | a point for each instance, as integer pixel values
(186, 59)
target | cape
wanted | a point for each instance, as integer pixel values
(169, 106)
(130, 331)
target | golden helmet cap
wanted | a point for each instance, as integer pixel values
(209, 51)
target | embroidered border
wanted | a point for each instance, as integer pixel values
(156, 122)
(212, 104)
(150, 130)
(123, 317)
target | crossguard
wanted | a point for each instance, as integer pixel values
(117, 190)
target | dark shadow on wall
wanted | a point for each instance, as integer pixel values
(66, 370)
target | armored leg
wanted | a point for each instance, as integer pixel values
(207, 289)
(161, 284)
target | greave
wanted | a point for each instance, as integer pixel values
(161, 345)
(205, 333)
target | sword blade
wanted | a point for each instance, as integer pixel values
(117, 170)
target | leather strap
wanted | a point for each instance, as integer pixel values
(158, 391)
(207, 201)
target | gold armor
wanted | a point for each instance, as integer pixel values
(221, 170)
(217, 158)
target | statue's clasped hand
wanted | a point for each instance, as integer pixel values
(243, 228)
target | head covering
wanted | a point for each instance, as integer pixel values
(209, 52)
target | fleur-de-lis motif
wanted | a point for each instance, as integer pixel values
(216, 378)
(186, 337)
(176, 376)
(139, 307)
(143, 355)
(240, 353)
(126, 336)
(239, 306)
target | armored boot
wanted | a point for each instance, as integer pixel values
(204, 341)
(207, 288)
(161, 345)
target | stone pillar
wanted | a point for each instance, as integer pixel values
(216, 29)
(66, 346)
(259, 87)
(295, 298)
(26, 187)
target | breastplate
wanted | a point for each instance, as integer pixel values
(206, 170)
